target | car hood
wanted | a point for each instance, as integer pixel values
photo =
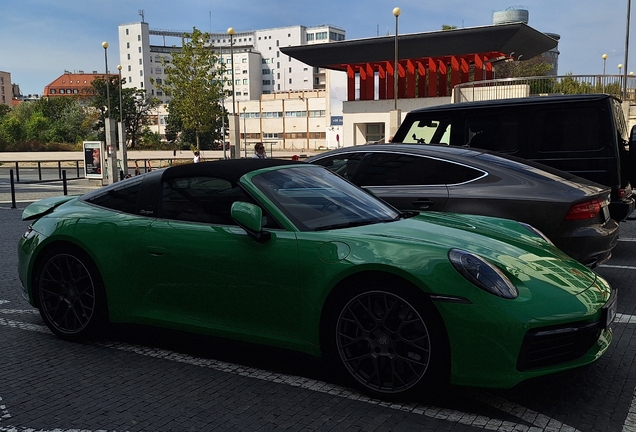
(526, 259)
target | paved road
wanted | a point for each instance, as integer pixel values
(151, 380)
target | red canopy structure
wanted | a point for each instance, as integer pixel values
(429, 64)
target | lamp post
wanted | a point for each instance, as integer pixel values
(105, 46)
(244, 132)
(604, 57)
(230, 31)
(122, 129)
(109, 126)
(234, 125)
(396, 12)
(629, 5)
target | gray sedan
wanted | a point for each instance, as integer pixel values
(571, 211)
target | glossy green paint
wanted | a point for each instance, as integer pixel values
(218, 280)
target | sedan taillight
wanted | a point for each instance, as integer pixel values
(586, 210)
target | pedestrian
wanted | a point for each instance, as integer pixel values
(259, 151)
(197, 157)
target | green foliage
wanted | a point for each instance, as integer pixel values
(136, 106)
(194, 81)
(448, 27)
(535, 66)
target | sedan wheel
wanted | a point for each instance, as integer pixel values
(68, 295)
(385, 343)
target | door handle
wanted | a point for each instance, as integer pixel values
(423, 203)
(156, 250)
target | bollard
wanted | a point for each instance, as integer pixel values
(12, 190)
(77, 167)
(59, 169)
(64, 185)
(40, 170)
(17, 172)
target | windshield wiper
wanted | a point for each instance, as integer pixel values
(349, 224)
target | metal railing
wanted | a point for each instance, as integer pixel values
(546, 85)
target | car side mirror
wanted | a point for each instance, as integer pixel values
(250, 217)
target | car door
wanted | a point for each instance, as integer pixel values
(404, 180)
(209, 272)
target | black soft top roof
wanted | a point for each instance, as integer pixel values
(230, 169)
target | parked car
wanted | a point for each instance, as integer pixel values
(571, 211)
(291, 255)
(585, 135)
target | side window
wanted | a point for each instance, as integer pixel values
(344, 165)
(200, 199)
(497, 132)
(428, 131)
(122, 196)
(568, 129)
(389, 169)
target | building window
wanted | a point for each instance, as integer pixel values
(129, 68)
(266, 71)
(126, 32)
(141, 73)
(140, 61)
(127, 44)
(267, 82)
(140, 50)
(128, 56)
(244, 60)
(139, 37)
(53, 91)
(244, 80)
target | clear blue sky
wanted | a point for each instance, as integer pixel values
(39, 39)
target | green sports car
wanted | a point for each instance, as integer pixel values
(291, 255)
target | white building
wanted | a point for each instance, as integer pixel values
(260, 71)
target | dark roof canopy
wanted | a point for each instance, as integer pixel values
(516, 40)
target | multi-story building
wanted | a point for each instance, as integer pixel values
(6, 90)
(260, 70)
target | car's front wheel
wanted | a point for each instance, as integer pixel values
(70, 294)
(389, 341)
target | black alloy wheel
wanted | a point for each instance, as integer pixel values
(386, 344)
(70, 295)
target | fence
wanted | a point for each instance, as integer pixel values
(546, 85)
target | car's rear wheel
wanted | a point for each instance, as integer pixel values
(388, 342)
(70, 294)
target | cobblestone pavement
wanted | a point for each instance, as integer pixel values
(140, 379)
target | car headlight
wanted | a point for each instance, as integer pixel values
(482, 274)
(536, 232)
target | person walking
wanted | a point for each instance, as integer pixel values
(197, 157)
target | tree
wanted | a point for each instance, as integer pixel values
(535, 66)
(194, 81)
(448, 27)
(136, 105)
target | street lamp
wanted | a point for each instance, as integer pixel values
(122, 129)
(604, 57)
(234, 124)
(244, 132)
(230, 31)
(109, 127)
(396, 12)
(629, 6)
(105, 46)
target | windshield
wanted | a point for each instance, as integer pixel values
(316, 199)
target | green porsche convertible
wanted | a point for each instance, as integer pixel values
(291, 255)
